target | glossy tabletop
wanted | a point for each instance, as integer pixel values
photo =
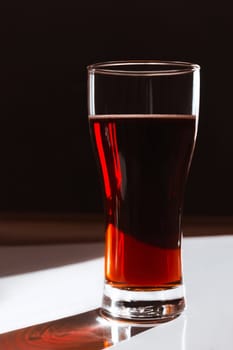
(61, 286)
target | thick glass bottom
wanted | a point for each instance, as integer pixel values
(142, 306)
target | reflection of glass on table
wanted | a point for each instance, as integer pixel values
(86, 331)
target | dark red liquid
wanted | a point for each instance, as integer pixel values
(144, 161)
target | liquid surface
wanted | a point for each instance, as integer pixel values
(143, 161)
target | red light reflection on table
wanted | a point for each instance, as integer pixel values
(87, 331)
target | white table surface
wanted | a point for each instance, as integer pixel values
(44, 283)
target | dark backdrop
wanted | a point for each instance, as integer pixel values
(46, 161)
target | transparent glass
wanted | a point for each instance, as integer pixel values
(143, 118)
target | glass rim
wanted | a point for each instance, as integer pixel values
(155, 67)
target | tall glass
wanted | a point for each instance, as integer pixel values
(143, 123)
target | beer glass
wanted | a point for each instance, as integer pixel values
(143, 119)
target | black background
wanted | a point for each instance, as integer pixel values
(46, 160)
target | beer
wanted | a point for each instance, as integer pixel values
(143, 161)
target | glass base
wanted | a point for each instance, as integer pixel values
(142, 306)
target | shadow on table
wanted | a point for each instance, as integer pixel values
(87, 331)
(22, 259)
